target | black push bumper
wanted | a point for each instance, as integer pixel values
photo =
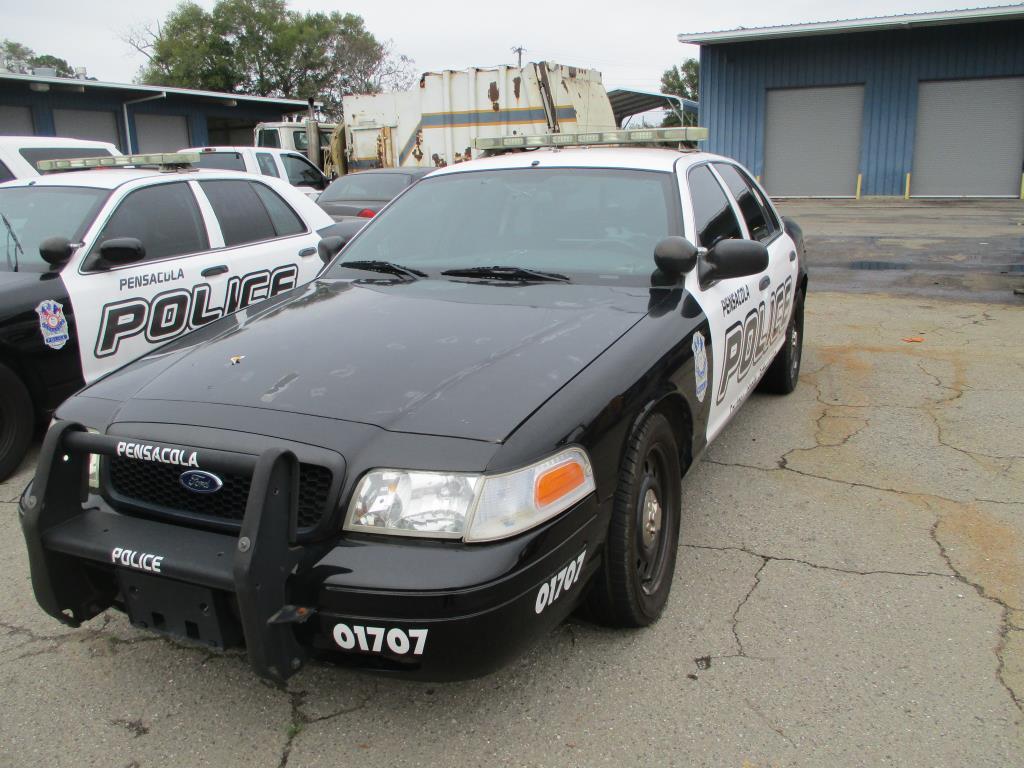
(284, 601)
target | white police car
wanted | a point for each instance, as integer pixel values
(103, 264)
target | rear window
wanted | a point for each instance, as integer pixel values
(34, 154)
(224, 161)
(366, 186)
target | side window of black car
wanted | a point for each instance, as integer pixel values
(755, 213)
(713, 215)
(164, 217)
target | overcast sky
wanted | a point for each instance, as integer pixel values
(630, 41)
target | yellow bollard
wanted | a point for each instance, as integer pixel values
(906, 192)
(860, 178)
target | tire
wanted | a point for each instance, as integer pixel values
(16, 421)
(784, 372)
(632, 586)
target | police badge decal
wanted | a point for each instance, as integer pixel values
(52, 323)
(700, 366)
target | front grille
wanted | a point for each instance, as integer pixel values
(156, 488)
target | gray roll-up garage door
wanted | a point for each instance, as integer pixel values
(970, 138)
(812, 141)
(85, 124)
(161, 133)
(16, 121)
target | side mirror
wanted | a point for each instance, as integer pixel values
(733, 258)
(675, 255)
(56, 250)
(121, 250)
(330, 247)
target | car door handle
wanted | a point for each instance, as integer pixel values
(307, 252)
(765, 282)
(220, 269)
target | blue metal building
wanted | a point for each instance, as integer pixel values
(928, 105)
(137, 118)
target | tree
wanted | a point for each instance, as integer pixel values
(261, 47)
(681, 81)
(15, 56)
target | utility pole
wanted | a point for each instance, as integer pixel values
(519, 50)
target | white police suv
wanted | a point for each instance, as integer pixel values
(101, 265)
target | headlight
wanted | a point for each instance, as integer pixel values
(470, 507)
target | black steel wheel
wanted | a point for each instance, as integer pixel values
(784, 372)
(633, 585)
(16, 421)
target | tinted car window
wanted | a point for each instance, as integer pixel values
(366, 186)
(38, 212)
(302, 143)
(34, 154)
(242, 216)
(267, 165)
(598, 225)
(286, 222)
(301, 172)
(224, 161)
(165, 217)
(5, 173)
(754, 212)
(713, 215)
(269, 138)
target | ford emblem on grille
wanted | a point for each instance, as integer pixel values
(197, 481)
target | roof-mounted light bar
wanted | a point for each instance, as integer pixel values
(166, 160)
(629, 136)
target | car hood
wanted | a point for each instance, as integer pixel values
(439, 357)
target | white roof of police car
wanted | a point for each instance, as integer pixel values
(30, 142)
(112, 178)
(634, 158)
(272, 150)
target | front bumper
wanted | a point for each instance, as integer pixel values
(432, 610)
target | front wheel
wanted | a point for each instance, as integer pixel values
(632, 587)
(784, 372)
(16, 421)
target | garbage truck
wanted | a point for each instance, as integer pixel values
(434, 124)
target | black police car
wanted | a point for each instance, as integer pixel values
(475, 419)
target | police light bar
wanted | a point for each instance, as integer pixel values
(629, 136)
(167, 160)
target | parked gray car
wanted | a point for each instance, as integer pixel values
(364, 193)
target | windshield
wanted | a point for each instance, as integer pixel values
(594, 225)
(36, 213)
(365, 186)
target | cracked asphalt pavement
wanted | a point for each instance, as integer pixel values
(849, 591)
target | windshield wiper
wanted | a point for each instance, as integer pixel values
(507, 273)
(384, 266)
(17, 245)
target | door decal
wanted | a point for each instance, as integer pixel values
(172, 313)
